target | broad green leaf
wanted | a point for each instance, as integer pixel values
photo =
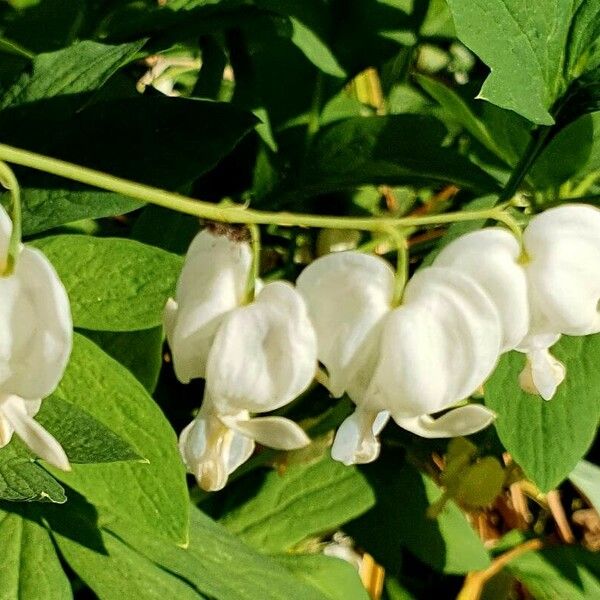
(558, 573)
(447, 543)
(122, 572)
(460, 110)
(139, 351)
(30, 568)
(335, 578)
(114, 284)
(83, 67)
(548, 438)
(326, 493)
(220, 566)
(586, 477)
(574, 151)
(84, 438)
(152, 496)
(21, 479)
(390, 150)
(532, 49)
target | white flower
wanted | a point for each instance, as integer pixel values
(423, 357)
(563, 271)
(36, 336)
(255, 358)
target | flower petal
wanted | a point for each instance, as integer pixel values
(563, 246)
(542, 375)
(212, 282)
(437, 348)
(35, 437)
(347, 294)
(490, 257)
(36, 329)
(264, 355)
(464, 420)
(355, 440)
(273, 432)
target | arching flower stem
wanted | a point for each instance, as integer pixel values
(239, 214)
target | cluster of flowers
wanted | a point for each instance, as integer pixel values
(35, 344)
(485, 294)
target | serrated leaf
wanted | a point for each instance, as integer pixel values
(326, 493)
(548, 438)
(447, 543)
(154, 495)
(30, 568)
(114, 284)
(389, 150)
(334, 578)
(84, 438)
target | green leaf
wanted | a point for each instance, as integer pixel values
(586, 478)
(547, 439)
(390, 150)
(574, 151)
(139, 351)
(563, 572)
(447, 543)
(335, 578)
(83, 67)
(220, 566)
(526, 47)
(21, 479)
(114, 284)
(30, 568)
(122, 572)
(153, 496)
(325, 493)
(84, 438)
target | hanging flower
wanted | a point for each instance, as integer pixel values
(36, 337)
(255, 358)
(423, 357)
(563, 272)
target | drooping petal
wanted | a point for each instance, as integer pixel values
(347, 294)
(274, 432)
(437, 348)
(264, 355)
(356, 439)
(491, 257)
(463, 420)
(211, 451)
(36, 329)
(542, 374)
(35, 437)
(563, 247)
(212, 282)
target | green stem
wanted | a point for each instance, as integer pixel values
(9, 181)
(235, 214)
(401, 266)
(255, 271)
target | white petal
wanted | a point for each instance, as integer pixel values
(211, 451)
(212, 282)
(490, 257)
(264, 355)
(347, 294)
(437, 348)
(36, 329)
(563, 246)
(542, 375)
(35, 437)
(273, 432)
(355, 440)
(464, 420)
